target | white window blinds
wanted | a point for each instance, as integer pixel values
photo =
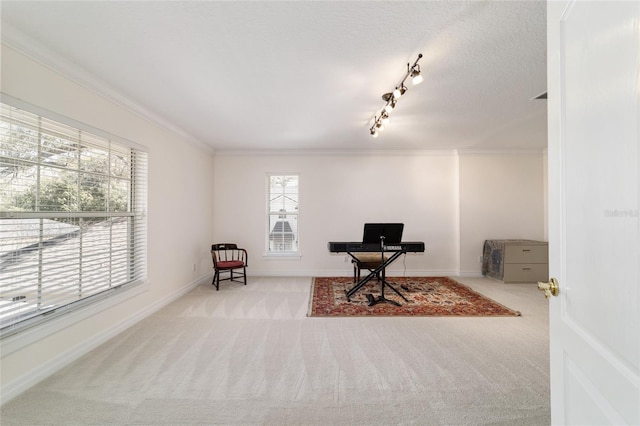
(72, 217)
(282, 214)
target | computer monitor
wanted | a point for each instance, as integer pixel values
(392, 233)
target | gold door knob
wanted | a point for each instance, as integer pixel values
(550, 289)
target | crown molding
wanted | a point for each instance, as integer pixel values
(17, 40)
(336, 153)
(499, 152)
(385, 153)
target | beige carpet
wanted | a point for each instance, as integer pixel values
(249, 355)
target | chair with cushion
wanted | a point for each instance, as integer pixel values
(368, 261)
(227, 257)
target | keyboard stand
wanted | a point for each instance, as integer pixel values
(379, 271)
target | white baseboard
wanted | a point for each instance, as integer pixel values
(470, 274)
(27, 380)
(348, 272)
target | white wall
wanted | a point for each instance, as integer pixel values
(180, 212)
(451, 202)
(502, 196)
(338, 194)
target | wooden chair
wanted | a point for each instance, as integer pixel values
(368, 261)
(227, 257)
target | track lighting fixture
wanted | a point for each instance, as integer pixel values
(391, 98)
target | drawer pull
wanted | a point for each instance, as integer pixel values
(526, 269)
(526, 249)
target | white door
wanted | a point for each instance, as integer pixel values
(594, 238)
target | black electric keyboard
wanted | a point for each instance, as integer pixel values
(355, 247)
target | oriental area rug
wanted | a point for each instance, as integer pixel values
(426, 296)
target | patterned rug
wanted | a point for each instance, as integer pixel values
(427, 296)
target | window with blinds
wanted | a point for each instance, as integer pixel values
(282, 214)
(72, 217)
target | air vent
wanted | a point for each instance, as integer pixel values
(542, 95)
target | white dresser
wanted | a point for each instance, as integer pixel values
(516, 261)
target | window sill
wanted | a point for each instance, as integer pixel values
(43, 329)
(281, 256)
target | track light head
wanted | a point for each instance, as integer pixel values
(416, 76)
(384, 118)
(399, 91)
(390, 106)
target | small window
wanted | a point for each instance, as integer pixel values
(282, 214)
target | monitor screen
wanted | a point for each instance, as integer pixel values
(392, 233)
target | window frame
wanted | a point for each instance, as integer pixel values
(284, 254)
(20, 333)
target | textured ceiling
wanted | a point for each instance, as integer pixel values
(306, 75)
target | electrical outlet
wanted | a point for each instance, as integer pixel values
(479, 259)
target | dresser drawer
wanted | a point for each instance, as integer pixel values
(526, 253)
(526, 272)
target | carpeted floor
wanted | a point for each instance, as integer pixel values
(250, 355)
(413, 296)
